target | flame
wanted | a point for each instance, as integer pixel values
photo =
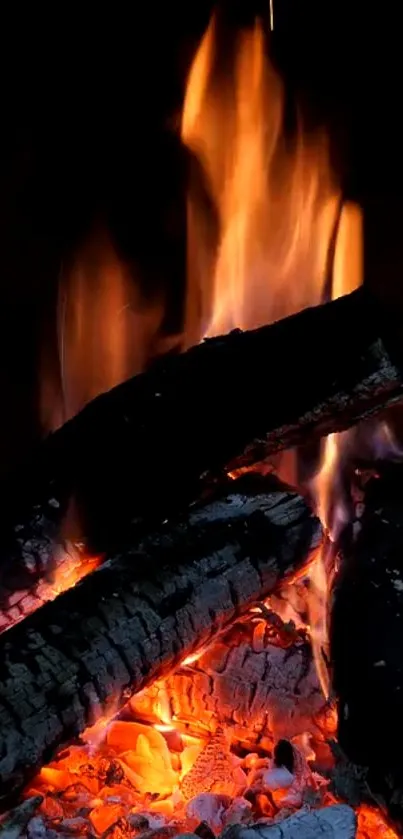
(106, 331)
(347, 276)
(190, 659)
(74, 566)
(281, 221)
(370, 822)
(276, 197)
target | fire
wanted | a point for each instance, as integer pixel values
(277, 200)
(106, 331)
(283, 237)
(74, 566)
(347, 276)
(283, 230)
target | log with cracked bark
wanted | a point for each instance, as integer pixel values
(143, 451)
(258, 679)
(367, 633)
(142, 612)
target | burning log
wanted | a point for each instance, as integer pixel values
(261, 687)
(135, 618)
(143, 451)
(367, 633)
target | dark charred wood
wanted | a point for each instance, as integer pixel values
(367, 637)
(141, 452)
(140, 614)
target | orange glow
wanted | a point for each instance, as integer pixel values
(190, 659)
(277, 200)
(73, 568)
(106, 332)
(372, 824)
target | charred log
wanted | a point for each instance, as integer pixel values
(367, 638)
(259, 685)
(135, 618)
(142, 451)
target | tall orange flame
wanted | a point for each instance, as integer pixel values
(276, 198)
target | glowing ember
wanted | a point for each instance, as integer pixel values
(371, 824)
(74, 566)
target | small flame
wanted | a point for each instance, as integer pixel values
(106, 331)
(95, 734)
(190, 659)
(271, 12)
(73, 567)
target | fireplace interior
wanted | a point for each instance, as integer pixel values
(201, 578)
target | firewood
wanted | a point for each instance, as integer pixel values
(143, 451)
(367, 637)
(134, 619)
(260, 687)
